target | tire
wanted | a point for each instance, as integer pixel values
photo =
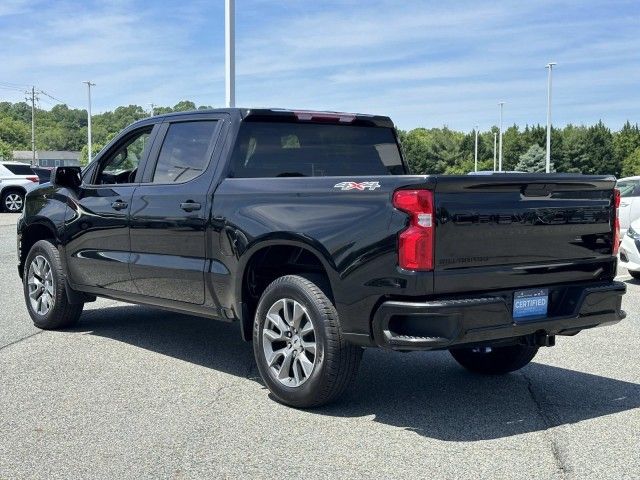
(52, 290)
(334, 361)
(12, 201)
(635, 275)
(499, 360)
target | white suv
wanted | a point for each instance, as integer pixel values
(629, 202)
(16, 179)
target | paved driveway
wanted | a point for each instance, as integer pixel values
(134, 392)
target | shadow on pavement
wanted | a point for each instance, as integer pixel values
(424, 392)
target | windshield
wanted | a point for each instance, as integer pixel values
(280, 149)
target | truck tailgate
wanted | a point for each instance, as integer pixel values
(512, 231)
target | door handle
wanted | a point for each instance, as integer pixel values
(119, 205)
(190, 206)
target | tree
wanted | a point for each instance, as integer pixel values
(631, 164)
(6, 152)
(533, 160)
(626, 142)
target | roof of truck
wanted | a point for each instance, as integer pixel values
(283, 114)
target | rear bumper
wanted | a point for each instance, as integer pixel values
(440, 324)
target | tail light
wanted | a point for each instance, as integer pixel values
(33, 178)
(415, 244)
(616, 224)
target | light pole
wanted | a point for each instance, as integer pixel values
(550, 66)
(495, 140)
(500, 142)
(230, 53)
(89, 85)
(476, 150)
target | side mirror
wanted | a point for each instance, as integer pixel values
(68, 177)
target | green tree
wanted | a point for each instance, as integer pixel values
(631, 164)
(6, 152)
(533, 160)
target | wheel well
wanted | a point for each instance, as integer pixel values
(273, 262)
(13, 188)
(30, 236)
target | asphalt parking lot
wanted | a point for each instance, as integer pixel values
(134, 392)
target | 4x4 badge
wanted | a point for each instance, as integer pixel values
(357, 185)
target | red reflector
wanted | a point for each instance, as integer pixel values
(415, 244)
(33, 179)
(616, 223)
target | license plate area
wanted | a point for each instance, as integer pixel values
(530, 304)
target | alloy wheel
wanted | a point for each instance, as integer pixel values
(13, 202)
(289, 342)
(41, 287)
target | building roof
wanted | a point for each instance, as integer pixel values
(26, 155)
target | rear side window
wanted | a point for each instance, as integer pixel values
(629, 189)
(19, 169)
(185, 152)
(275, 149)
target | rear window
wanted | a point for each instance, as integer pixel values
(629, 189)
(273, 149)
(19, 169)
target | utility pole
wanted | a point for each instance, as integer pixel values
(230, 53)
(89, 85)
(153, 107)
(33, 125)
(476, 150)
(495, 140)
(550, 66)
(500, 142)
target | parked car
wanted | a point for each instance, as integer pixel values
(630, 250)
(307, 230)
(16, 179)
(629, 202)
(44, 173)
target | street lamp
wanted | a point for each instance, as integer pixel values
(550, 66)
(495, 140)
(476, 150)
(500, 142)
(230, 53)
(89, 85)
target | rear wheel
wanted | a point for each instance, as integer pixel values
(13, 201)
(45, 289)
(494, 360)
(301, 354)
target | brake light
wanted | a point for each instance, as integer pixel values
(415, 244)
(322, 117)
(33, 179)
(616, 224)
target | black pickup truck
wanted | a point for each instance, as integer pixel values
(307, 229)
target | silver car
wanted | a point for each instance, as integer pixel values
(16, 179)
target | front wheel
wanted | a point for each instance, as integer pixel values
(45, 289)
(301, 354)
(494, 360)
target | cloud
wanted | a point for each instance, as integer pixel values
(423, 62)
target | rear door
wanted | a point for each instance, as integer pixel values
(98, 249)
(169, 213)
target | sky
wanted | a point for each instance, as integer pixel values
(424, 63)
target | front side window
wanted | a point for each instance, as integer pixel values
(185, 152)
(283, 149)
(121, 165)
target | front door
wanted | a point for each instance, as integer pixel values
(169, 212)
(98, 247)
